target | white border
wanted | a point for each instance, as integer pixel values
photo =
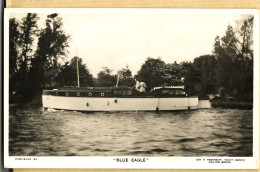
(151, 162)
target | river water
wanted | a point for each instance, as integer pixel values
(34, 131)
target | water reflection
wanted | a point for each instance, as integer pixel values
(212, 132)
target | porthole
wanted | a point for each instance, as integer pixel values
(102, 94)
(90, 94)
(67, 94)
(78, 94)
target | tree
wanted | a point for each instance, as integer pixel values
(32, 70)
(244, 31)
(205, 66)
(27, 33)
(86, 79)
(68, 74)
(65, 77)
(13, 46)
(52, 47)
(28, 30)
(173, 74)
(190, 76)
(105, 79)
(126, 78)
(13, 54)
(234, 53)
(224, 64)
(152, 72)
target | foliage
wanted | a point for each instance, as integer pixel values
(13, 53)
(105, 79)
(205, 67)
(32, 70)
(234, 53)
(52, 46)
(190, 76)
(68, 74)
(28, 31)
(13, 46)
(155, 73)
(21, 40)
(125, 77)
(152, 72)
(173, 74)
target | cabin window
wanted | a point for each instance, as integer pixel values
(127, 92)
(117, 92)
(180, 92)
(168, 92)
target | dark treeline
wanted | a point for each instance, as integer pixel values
(34, 55)
(37, 61)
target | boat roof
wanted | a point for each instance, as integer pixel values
(107, 89)
(169, 87)
(92, 89)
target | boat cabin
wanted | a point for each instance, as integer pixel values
(116, 92)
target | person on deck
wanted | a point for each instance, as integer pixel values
(137, 85)
(142, 87)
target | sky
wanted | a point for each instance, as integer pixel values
(115, 38)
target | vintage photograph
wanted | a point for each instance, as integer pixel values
(131, 83)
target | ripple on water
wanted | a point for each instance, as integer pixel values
(205, 132)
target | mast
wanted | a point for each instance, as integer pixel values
(77, 66)
(117, 81)
(78, 71)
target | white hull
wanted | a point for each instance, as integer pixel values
(119, 104)
(204, 104)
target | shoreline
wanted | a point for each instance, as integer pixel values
(233, 104)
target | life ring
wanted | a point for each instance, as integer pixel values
(78, 94)
(102, 94)
(90, 94)
(67, 94)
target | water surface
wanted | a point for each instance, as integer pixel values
(34, 131)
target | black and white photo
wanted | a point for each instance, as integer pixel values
(131, 88)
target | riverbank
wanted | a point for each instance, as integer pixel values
(19, 99)
(232, 104)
